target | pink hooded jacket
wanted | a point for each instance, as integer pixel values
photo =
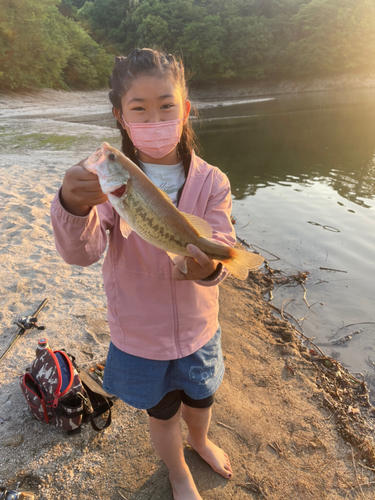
(149, 314)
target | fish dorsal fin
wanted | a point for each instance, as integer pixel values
(125, 228)
(202, 226)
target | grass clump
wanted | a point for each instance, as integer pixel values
(54, 142)
(42, 141)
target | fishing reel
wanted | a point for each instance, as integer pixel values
(24, 323)
(27, 323)
(6, 494)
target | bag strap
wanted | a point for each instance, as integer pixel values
(91, 416)
(61, 411)
(102, 409)
(92, 384)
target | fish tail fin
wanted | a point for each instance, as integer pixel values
(241, 262)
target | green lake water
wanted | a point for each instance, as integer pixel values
(302, 171)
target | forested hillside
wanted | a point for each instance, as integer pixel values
(72, 43)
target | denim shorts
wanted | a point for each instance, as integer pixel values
(142, 383)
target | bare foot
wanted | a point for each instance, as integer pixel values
(183, 486)
(214, 456)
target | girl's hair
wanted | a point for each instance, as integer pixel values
(150, 62)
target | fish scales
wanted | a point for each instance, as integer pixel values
(155, 223)
(150, 213)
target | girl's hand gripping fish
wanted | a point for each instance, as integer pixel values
(149, 212)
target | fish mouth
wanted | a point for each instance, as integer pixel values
(96, 157)
(119, 191)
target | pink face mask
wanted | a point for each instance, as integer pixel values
(155, 139)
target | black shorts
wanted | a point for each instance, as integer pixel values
(171, 402)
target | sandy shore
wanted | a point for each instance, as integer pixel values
(295, 424)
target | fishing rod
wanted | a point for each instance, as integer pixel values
(26, 323)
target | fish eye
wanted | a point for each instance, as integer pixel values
(111, 156)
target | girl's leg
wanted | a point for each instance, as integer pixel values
(166, 437)
(198, 422)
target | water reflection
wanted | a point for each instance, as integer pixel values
(302, 171)
(334, 146)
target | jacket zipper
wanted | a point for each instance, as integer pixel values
(173, 285)
(175, 315)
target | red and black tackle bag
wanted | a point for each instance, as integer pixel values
(55, 393)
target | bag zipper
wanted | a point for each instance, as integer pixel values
(58, 394)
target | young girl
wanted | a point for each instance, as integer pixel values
(165, 352)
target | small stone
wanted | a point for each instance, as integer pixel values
(13, 440)
(26, 495)
(6, 398)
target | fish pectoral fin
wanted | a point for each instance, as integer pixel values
(179, 261)
(125, 228)
(201, 225)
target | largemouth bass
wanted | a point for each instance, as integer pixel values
(148, 211)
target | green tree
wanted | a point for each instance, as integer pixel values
(203, 47)
(69, 8)
(332, 36)
(33, 46)
(41, 48)
(218, 39)
(88, 66)
(106, 20)
(153, 32)
(172, 16)
(250, 46)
